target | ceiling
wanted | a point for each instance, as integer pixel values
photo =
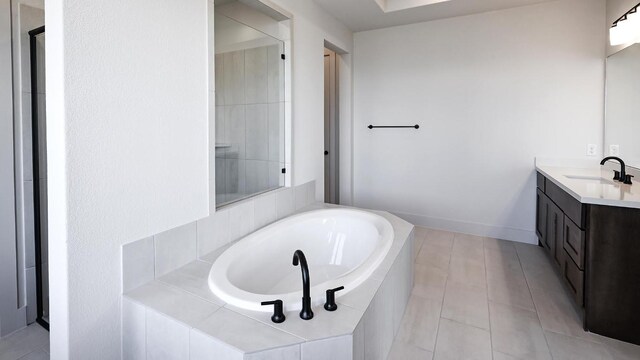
(362, 15)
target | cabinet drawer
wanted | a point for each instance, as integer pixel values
(574, 278)
(540, 181)
(569, 205)
(574, 242)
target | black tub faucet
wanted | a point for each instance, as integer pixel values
(298, 258)
(623, 173)
(278, 310)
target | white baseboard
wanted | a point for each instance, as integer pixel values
(504, 233)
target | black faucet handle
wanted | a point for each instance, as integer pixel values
(616, 175)
(278, 310)
(330, 304)
(627, 179)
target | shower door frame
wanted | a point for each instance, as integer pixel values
(37, 231)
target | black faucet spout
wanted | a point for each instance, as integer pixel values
(623, 172)
(298, 258)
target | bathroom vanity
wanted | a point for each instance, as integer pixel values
(589, 225)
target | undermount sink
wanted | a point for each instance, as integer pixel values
(596, 179)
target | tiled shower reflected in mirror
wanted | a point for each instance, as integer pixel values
(249, 122)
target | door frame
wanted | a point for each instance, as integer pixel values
(344, 122)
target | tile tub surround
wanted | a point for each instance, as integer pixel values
(152, 257)
(364, 325)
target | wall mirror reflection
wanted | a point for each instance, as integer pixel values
(622, 123)
(249, 109)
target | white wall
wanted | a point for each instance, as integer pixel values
(10, 319)
(491, 92)
(615, 9)
(127, 147)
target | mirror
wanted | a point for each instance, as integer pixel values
(622, 120)
(249, 111)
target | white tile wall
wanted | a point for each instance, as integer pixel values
(133, 330)
(250, 119)
(358, 341)
(241, 219)
(175, 248)
(378, 323)
(170, 250)
(283, 353)
(233, 77)
(337, 348)
(255, 67)
(285, 205)
(243, 333)
(213, 232)
(219, 80)
(235, 130)
(166, 338)
(301, 196)
(275, 74)
(402, 283)
(204, 347)
(176, 303)
(275, 129)
(264, 210)
(138, 263)
(193, 278)
(257, 176)
(257, 132)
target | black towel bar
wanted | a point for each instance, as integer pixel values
(393, 126)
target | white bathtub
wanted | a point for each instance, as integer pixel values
(343, 247)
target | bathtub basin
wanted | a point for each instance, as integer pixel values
(343, 247)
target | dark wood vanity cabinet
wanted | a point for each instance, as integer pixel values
(596, 251)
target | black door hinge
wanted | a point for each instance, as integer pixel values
(282, 56)
(284, 170)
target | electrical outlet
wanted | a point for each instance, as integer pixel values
(614, 150)
(591, 149)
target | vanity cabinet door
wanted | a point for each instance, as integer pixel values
(555, 230)
(542, 206)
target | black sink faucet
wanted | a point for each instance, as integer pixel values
(298, 258)
(623, 172)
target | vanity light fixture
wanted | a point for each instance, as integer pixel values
(626, 30)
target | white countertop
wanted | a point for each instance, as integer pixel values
(588, 190)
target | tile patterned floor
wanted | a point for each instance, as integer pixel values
(30, 343)
(474, 298)
(482, 298)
